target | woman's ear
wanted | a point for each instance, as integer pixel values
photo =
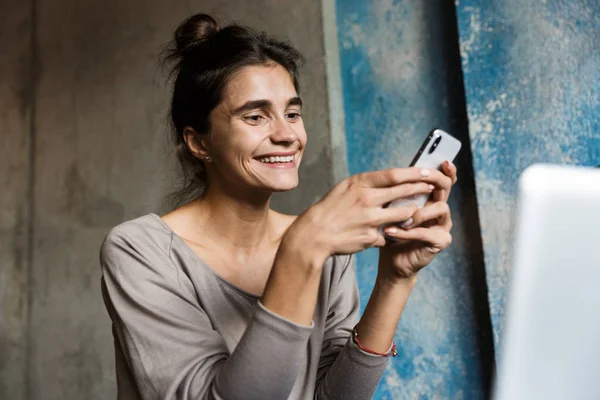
(196, 143)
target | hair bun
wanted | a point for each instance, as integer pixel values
(195, 29)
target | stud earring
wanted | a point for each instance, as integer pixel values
(207, 158)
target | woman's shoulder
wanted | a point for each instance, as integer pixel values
(145, 232)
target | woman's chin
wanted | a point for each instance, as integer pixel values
(280, 190)
(281, 185)
(281, 181)
(284, 187)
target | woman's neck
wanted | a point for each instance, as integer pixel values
(239, 220)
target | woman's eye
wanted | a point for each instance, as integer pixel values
(293, 116)
(254, 119)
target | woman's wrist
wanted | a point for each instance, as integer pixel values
(303, 254)
(304, 239)
(382, 313)
(393, 281)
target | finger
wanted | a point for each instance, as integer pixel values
(392, 177)
(449, 169)
(374, 238)
(438, 239)
(383, 196)
(440, 180)
(391, 215)
(442, 192)
(437, 213)
(441, 183)
(380, 242)
(398, 176)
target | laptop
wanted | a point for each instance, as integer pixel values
(551, 343)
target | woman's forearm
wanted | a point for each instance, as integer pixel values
(293, 285)
(378, 324)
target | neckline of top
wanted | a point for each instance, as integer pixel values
(200, 261)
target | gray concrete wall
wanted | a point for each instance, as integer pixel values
(15, 117)
(83, 146)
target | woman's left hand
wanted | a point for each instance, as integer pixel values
(420, 241)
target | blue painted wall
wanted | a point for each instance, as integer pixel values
(397, 85)
(532, 90)
(532, 82)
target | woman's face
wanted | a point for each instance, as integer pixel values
(257, 136)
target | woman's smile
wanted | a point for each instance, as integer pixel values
(278, 160)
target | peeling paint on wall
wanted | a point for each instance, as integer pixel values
(395, 91)
(533, 94)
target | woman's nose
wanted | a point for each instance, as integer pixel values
(283, 132)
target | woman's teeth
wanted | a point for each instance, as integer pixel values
(276, 159)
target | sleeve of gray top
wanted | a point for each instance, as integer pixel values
(169, 344)
(345, 371)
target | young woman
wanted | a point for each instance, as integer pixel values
(224, 298)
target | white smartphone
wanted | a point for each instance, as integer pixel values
(438, 147)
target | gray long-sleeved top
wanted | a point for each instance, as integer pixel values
(183, 332)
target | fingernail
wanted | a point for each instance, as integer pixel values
(406, 223)
(425, 172)
(391, 230)
(431, 187)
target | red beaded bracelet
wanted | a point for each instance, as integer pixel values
(392, 352)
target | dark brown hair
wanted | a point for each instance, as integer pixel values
(204, 58)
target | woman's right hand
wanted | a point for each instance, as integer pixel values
(348, 218)
(345, 221)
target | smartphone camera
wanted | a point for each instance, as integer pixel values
(435, 144)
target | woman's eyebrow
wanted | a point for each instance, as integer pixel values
(252, 105)
(295, 101)
(263, 103)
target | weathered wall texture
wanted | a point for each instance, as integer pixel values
(15, 116)
(533, 93)
(100, 156)
(401, 78)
